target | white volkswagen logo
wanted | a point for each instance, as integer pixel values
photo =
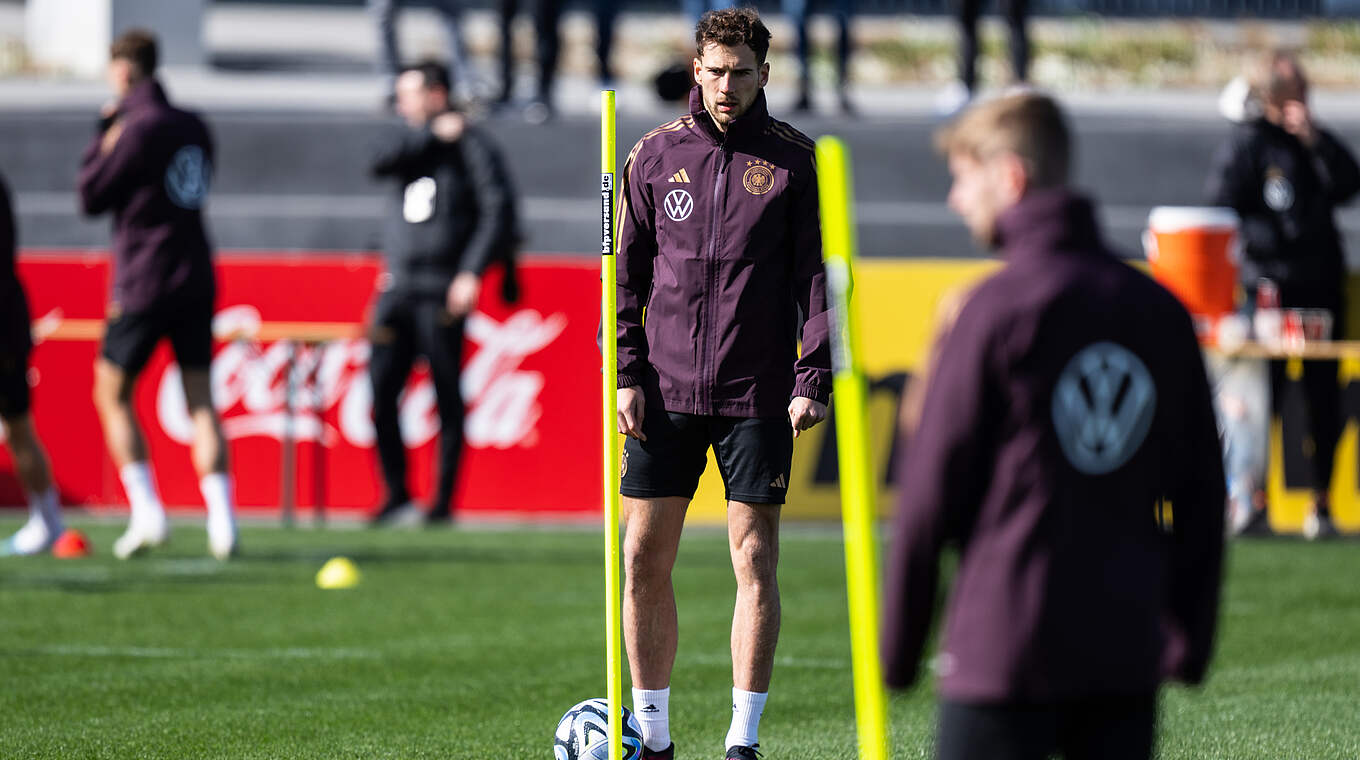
(1279, 194)
(187, 177)
(678, 205)
(1103, 407)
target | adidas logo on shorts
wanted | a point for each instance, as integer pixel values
(779, 482)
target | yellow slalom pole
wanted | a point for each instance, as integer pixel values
(609, 338)
(852, 437)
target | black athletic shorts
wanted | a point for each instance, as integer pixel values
(754, 456)
(1095, 728)
(14, 397)
(130, 337)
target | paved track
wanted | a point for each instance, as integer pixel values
(296, 180)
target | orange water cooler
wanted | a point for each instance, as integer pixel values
(1194, 252)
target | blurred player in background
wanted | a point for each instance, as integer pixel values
(1067, 402)
(720, 242)
(150, 165)
(452, 212)
(44, 524)
(1285, 176)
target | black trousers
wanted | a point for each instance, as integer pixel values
(405, 327)
(1099, 728)
(1015, 12)
(548, 43)
(1321, 387)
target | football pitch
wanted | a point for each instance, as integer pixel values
(470, 643)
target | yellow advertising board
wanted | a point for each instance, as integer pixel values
(898, 303)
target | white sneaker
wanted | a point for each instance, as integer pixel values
(140, 536)
(35, 537)
(222, 538)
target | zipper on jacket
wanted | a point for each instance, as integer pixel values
(709, 373)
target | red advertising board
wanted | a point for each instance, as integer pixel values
(530, 381)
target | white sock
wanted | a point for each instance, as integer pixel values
(747, 707)
(216, 490)
(46, 506)
(141, 493)
(652, 707)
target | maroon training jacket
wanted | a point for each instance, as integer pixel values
(720, 243)
(155, 181)
(1068, 398)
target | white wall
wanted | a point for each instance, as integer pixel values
(73, 36)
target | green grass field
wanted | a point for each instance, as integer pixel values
(470, 643)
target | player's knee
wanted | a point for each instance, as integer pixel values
(755, 560)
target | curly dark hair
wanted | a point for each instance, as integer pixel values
(733, 27)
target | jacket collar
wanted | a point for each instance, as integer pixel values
(144, 94)
(1045, 222)
(750, 123)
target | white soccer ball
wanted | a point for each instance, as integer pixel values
(583, 733)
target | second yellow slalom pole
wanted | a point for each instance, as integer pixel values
(609, 344)
(852, 436)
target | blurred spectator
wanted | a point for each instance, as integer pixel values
(1066, 400)
(450, 214)
(1285, 176)
(963, 91)
(798, 13)
(150, 165)
(44, 524)
(606, 14)
(452, 12)
(547, 44)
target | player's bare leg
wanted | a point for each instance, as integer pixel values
(209, 453)
(113, 402)
(753, 538)
(651, 631)
(35, 475)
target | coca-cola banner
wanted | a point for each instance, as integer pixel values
(530, 381)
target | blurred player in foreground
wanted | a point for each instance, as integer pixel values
(1067, 403)
(150, 165)
(1285, 175)
(451, 213)
(30, 460)
(720, 242)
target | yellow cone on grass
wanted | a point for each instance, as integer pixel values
(338, 572)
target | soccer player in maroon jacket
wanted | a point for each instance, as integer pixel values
(150, 165)
(44, 524)
(1066, 407)
(720, 243)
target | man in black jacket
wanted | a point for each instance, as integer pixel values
(451, 213)
(1285, 177)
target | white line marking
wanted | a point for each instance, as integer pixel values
(289, 653)
(779, 660)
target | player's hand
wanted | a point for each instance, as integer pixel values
(631, 403)
(447, 127)
(804, 413)
(110, 137)
(1298, 121)
(462, 296)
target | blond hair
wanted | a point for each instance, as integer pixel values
(1028, 125)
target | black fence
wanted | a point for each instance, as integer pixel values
(1215, 9)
